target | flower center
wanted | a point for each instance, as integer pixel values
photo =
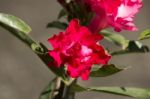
(85, 50)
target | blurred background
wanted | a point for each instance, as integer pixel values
(23, 75)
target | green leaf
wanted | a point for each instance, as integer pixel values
(54, 90)
(57, 24)
(61, 73)
(14, 22)
(133, 47)
(105, 70)
(139, 93)
(62, 13)
(48, 92)
(145, 35)
(38, 49)
(116, 38)
(136, 46)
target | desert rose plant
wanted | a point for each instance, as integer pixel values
(77, 51)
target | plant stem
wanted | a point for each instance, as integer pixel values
(60, 88)
(63, 85)
(39, 49)
(68, 93)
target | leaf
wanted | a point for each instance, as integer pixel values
(145, 35)
(49, 90)
(54, 90)
(133, 47)
(78, 88)
(136, 46)
(62, 13)
(14, 22)
(105, 70)
(57, 24)
(61, 73)
(128, 46)
(139, 93)
(115, 38)
(39, 49)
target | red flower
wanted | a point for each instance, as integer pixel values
(77, 48)
(116, 13)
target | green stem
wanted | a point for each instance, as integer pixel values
(60, 89)
(39, 49)
(68, 93)
(22, 36)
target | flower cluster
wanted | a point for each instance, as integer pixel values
(116, 13)
(78, 48)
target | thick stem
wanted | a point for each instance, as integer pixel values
(68, 93)
(64, 90)
(60, 88)
(39, 49)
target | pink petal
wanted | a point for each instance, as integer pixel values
(57, 58)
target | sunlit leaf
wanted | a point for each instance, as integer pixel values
(106, 70)
(14, 22)
(116, 38)
(139, 93)
(145, 34)
(38, 49)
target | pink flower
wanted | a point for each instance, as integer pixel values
(116, 13)
(77, 48)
